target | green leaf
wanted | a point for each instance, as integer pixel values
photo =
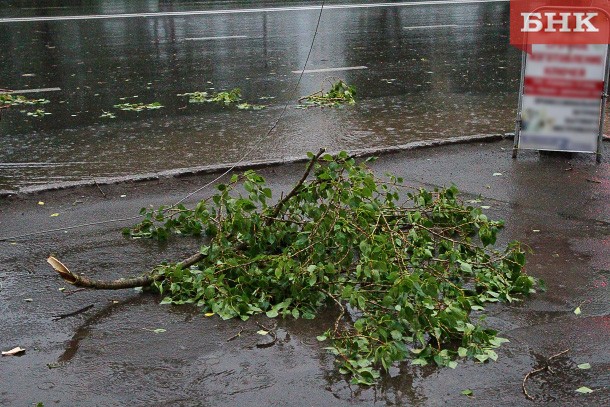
(492, 355)
(481, 358)
(262, 332)
(577, 311)
(584, 390)
(584, 366)
(468, 393)
(497, 341)
(465, 267)
(272, 313)
(419, 361)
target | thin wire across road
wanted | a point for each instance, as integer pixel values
(245, 10)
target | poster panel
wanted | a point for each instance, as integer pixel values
(562, 97)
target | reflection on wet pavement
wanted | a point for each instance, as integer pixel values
(456, 75)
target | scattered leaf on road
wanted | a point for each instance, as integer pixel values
(209, 314)
(262, 332)
(54, 214)
(584, 390)
(497, 174)
(157, 331)
(467, 392)
(584, 366)
(40, 203)
(577, 311)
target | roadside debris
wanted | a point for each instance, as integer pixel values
(157, 330)
(225, 98)
(38, 113)
(107, 115)
(404, 266)
(9, 99)
(339, 94)
(14, 352)
(546, 367)
(138, 107)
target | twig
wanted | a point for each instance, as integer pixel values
(99, 188)
(536, 371)
(237, 335)
(67, 293)
(309, 96)
(280, 204)
(341, 307)
(71, 314)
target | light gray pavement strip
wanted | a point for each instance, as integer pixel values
(556, 205)
(247, 10)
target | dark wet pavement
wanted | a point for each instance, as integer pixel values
(109, 355)
(432, 71)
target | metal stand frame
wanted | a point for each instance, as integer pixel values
(600, 140)
(518, 121)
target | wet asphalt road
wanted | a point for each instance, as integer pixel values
(108, 356)
(431, 70)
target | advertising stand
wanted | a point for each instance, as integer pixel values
(562, 98)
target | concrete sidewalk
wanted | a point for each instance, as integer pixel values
(109, 355)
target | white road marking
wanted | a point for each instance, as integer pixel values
(246, 10)
(345, 68)
(37, 164)
(226, 37)
(421, 27)
(37, 90)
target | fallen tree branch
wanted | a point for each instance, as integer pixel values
(149, 278)
(547, 367)
(122, 283)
